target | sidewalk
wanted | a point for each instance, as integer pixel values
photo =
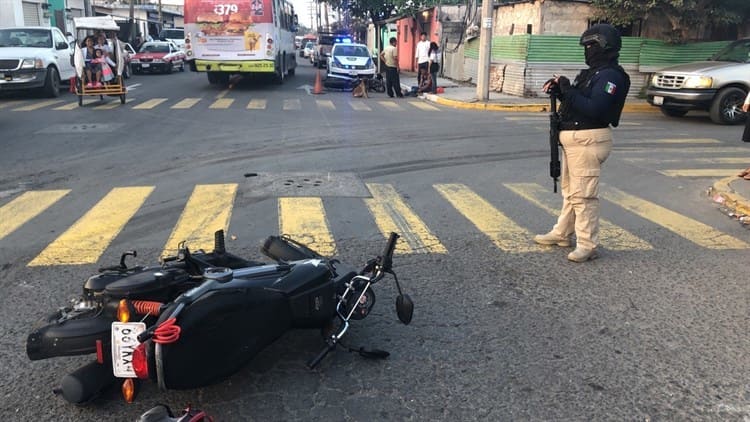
(730, 193)
(465, 97)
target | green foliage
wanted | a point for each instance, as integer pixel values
(681, 14)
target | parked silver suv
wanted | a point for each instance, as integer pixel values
(718, 85)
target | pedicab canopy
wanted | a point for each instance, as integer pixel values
(104, 23)
(97, 23)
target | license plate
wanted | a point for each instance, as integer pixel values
(124, 341)
(353, 73)
(658, 100)
(145, 65)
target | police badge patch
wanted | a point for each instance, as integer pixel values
(610, 88)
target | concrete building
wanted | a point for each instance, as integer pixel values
(58, 13)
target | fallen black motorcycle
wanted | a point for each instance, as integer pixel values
(199, 317)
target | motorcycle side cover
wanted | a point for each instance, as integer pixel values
(224, 329)
(219, 333)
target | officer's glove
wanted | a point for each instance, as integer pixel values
(551, 87)
(564, 84)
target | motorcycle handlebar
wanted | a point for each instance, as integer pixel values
(387, 256)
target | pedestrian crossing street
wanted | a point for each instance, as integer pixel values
(220, 102)
(209, 208)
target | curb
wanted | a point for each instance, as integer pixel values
(477, 105)
(736, 205)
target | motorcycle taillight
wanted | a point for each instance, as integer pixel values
(140, 361)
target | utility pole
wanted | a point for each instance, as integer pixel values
(132, 20)
(485, 52)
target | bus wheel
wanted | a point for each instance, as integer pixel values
(217, 78)
(291, 71)
(280, 70)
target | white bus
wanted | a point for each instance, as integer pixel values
(225, 37)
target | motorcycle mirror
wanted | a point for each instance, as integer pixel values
(404, 308)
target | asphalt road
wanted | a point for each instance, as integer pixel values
(656, 329)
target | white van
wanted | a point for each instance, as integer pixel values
(175, 35)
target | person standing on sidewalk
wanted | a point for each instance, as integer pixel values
(434, 66)
(389, 56)
(746, 108)
(588, 107)
(422, 54)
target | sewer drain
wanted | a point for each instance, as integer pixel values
(305, 184)
(78, 128)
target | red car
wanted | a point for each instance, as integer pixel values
(158, 56)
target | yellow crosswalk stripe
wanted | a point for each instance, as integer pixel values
(256, 104)
(327, 104)
(687, 150)
(423, 106)
(292, 104)
(688, 141)
(25, 207)
(146, 105)
(504, 233)
(359, 106)
(69, 106)
(87, 238)
(112, 104)
(304, 220)
(390, 105)
(393, 214)
(208, 210)
(8, 104)
(692, 230)
(186, 103)
(697, 160)
(36, 106)
(222, 103)
(699, 172)
(612, 237)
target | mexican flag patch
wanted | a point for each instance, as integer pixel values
(610, 88)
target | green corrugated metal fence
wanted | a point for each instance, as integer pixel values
(565, 49)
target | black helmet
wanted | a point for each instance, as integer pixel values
(603, 34)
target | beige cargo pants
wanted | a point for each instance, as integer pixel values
(583, 153)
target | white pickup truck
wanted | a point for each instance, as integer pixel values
(34, 57)
(718, 85)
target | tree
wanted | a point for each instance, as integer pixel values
(683, 15)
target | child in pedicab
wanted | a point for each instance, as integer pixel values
(93, 69)
(105, 66)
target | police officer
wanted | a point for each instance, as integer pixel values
(589, 106)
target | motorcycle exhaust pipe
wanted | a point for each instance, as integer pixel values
(86, 383)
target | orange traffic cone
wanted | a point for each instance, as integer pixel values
(318, 88)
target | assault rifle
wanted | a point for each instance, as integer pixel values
(554, 140)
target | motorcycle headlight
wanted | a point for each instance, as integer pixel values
(698, 82)
(32, 64)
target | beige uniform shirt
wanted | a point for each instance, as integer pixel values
(391, 56)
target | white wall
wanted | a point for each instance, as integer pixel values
(11, 13)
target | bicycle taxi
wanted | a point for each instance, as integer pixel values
(84, 85)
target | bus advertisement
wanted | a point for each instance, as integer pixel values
(225, 37)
